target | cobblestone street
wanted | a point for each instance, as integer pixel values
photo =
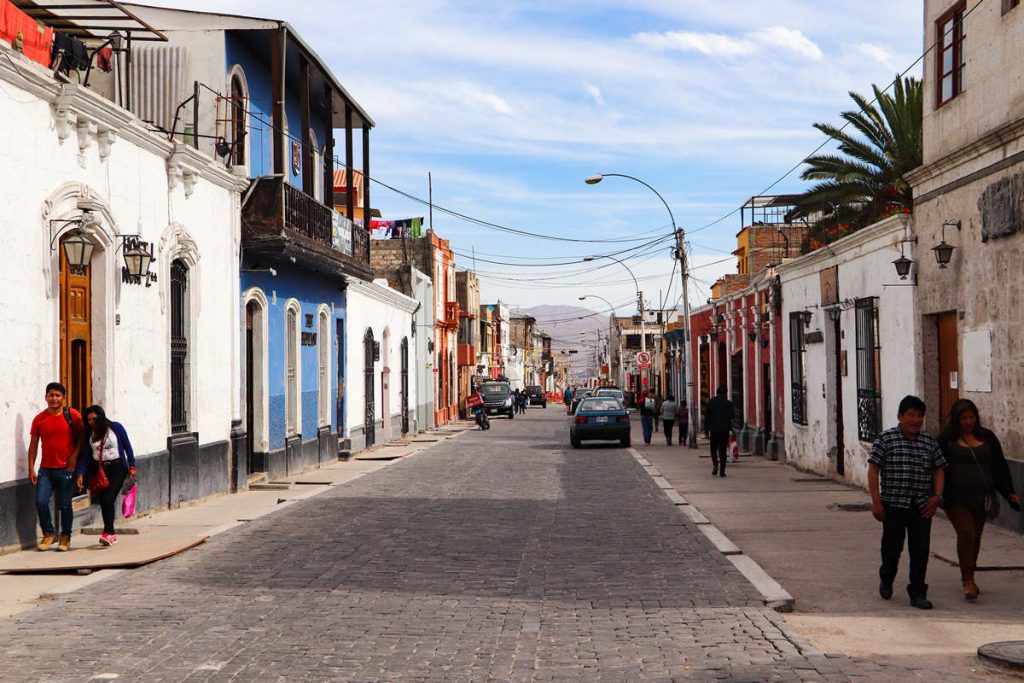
(503, 555)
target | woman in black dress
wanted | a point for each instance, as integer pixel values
(977, 471)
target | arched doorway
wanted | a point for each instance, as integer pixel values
(404, 352)
(179, 347)
(76, 333)
(256, 381)
(369, 383)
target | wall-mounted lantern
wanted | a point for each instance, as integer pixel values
(78, 251)
(943, 250)
(137, 259)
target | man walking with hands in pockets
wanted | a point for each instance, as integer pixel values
(906, 476)
(58, 429)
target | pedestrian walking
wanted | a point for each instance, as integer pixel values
(683, 422)
(657, 410)
(718, 427)
(567, 399)
(647, 416)
(976, 472)
(58, 430)
(106, 448)
(906, 478)
(524, 402)
(669, 409)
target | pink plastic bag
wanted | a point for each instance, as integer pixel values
(128, 502)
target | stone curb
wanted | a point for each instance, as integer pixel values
(772, 593)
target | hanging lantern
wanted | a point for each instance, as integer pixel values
(943, 253)
(78, 251)
(903, 266)
(137, 258)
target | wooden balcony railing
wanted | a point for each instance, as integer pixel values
(279, 219)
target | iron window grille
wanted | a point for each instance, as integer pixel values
(179, 347)
(798, 378)
(869, 370)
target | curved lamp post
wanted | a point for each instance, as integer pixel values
(620, 379)
(681, 255)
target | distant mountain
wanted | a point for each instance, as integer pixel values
(564, 324)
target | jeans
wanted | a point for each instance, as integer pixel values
(719, 451)
(968, 525)
(684, 432)
(647, 424)
(668, 429)
(900, 523)
(60, 482)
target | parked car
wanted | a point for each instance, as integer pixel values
(537, 396)
(599, 419)
(578, 396)
(498, 399)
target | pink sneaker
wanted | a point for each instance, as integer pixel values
(108, 539)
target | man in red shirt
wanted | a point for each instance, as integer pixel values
(59, 430)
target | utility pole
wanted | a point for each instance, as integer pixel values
(643, 337)
(690, 398)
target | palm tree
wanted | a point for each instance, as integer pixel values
(864, 181)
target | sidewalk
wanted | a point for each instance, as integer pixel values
(827, 558)
(193, 523)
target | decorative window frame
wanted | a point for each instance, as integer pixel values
(324, 350)
(293, 415)
(236, 71)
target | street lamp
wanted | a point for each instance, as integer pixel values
(78, 251)
(681, 255)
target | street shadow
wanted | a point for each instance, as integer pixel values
(598, 531)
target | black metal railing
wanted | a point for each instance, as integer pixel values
(799, 392)
(306, 215)
(869, 414)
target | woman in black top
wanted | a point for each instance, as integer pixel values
(977, 471)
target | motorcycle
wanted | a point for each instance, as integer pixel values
(475, 402)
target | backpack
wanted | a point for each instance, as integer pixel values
(649, 403)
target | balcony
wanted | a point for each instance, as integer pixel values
(280, 221)
(451, 315)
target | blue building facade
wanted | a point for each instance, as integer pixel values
(295, 261)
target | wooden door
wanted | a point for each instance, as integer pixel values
(76, 334)
(949, 363)
(250, 389)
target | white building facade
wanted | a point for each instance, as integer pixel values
(850, 347)
(160, 353)
(381, 393)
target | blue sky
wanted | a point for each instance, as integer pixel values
(511, 104)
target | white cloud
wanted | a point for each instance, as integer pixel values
(594, 92)
(720, 45)
(788, 39)
(878, 53)
(711, 44)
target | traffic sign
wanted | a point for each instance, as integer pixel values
(643, 360)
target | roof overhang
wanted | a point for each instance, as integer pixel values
(89, 19)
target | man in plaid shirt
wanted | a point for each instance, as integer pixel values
(910, 467)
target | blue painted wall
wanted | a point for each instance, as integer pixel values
(311, 292)
(261, 139)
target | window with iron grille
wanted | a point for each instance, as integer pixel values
(869, 370)
(797, 369)
(291, 388)
(324, 378)
(179, 347)
(951, 59)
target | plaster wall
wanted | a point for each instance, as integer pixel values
(381, 309)
(994, 94)
(865, 269)
(133, 180)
